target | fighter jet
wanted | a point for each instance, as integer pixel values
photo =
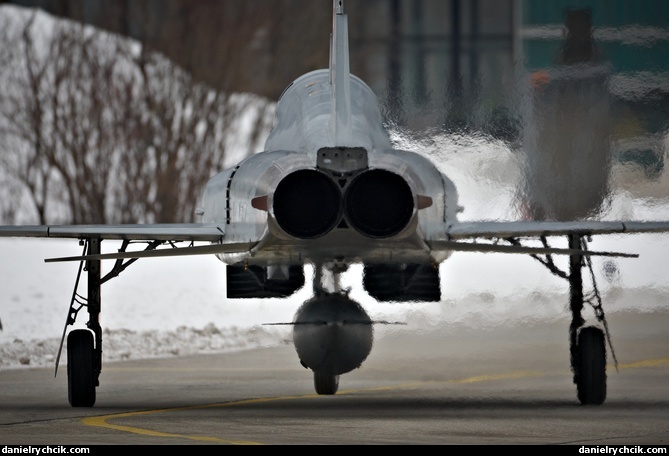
(330, 191)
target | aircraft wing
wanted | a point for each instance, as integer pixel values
(157, 232)
(463, 236)
(503, 230)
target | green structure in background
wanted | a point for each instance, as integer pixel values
(632, 39)
(632, 35)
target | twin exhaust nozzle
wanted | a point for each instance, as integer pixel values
(377, 203)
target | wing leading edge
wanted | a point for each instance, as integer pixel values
(160, 232)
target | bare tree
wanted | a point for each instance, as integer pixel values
(182, 137)
(23, 121)
(113, 133)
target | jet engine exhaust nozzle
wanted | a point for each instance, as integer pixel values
(307, 204)
(379, 203)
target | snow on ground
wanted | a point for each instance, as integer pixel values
(154, 308)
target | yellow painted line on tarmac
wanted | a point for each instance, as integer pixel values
(659, 362)
(508, 376)
(103, 421)
(475, 379)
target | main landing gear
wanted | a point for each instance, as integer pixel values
(84, 346)
(587, 344)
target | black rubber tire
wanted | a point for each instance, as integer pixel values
(326, 383)
(590, 367)
(80, 373)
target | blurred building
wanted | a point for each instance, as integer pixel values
(442, 63)
(433, 62)
(443, 53)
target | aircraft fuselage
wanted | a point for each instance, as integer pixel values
(316, 195)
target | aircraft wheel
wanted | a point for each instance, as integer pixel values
(80, 375)
(326, 383)
(590, 365)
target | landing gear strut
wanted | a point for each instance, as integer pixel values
(84, 346)
(326, 383)
(587, 344)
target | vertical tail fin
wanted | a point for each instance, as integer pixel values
(340, 79)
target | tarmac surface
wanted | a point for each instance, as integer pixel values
(447, 385)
